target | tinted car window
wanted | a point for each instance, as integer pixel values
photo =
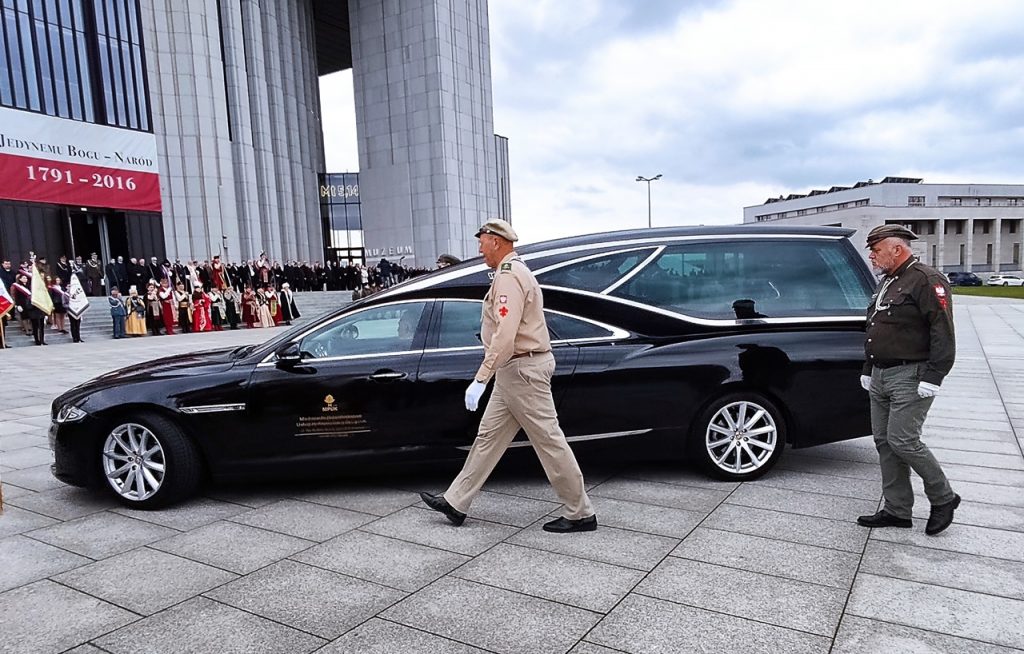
(377, 330)
(595, 274)
(752, 279)
(460, 324)
(566, 328)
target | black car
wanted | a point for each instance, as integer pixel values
(717, 344)
(964, 279)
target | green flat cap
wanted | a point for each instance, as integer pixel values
(883, 232)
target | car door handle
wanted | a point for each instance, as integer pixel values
(387, 376)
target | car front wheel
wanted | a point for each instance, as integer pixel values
(739, 437)
(149, 463)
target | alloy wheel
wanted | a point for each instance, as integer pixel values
(133, 462)
(741, 437)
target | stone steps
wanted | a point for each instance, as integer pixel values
(96, 323)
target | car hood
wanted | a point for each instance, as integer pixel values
(182, 365)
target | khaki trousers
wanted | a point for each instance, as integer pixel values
(522, 398)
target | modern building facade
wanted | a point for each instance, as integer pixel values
(962, 227)
(212, 108)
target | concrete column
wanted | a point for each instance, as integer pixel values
(940, 251)
(997, 247)
(969, 256)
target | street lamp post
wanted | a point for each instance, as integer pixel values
(641, 178)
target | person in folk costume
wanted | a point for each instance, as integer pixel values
(231, 307)
(250, 306)
(118, 311)
(263, 309)
(94, 275)
(183, 303)
(273, 305)
(59, 299)
(135, 324)
(217, 308)
(22, 296)
(77, 305)
(6, 302)
(217, 274)
(289, 311)
(200, 310)
(152, 309)
(263, 273)
(166, 297)
(42, 305)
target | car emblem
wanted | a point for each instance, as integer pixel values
(329, 405)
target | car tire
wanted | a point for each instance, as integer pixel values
(1006, 283)
(147, 462)
(727, 449)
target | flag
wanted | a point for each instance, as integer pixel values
(6, 301)
(78, 303)
(40, 294)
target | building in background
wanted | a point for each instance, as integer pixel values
(341, 213)
(962, 227)
(193, 128)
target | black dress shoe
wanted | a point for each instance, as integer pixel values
(441, 505)
(941, 516)
(884, 519)
(565, 525)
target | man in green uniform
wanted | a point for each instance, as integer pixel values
(910, 348)
(517, 353)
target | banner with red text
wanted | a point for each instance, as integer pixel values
(61, 161)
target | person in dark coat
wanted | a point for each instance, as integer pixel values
(289, 311)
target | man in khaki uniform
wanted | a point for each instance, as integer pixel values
(517, 353)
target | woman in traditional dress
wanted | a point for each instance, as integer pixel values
(263, 309)
(200, 310)
(273, 304)
(250, 307)
(58, 297)
(135, 324)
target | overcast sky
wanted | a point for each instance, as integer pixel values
(733, 102)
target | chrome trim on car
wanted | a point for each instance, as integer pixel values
(636, 270)
(563, 264)
(577, 439)
(211, 408)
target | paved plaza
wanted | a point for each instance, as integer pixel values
(680, 563)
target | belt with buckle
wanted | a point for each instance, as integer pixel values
(892, 363)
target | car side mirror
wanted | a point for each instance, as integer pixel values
(289, 355)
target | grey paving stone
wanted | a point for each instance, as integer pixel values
(802, 503)
(1006, 446)
(47, 617)
(792, 560)
(20, 440)
(807, 461)
(984, 475)
(388, 561)
(428, 527)
(168, 579)
(102, 534)
(13, 427)
(959, 612)
(982, 541)
(982, 459)
(26, 560)
(510, 509)
(987, 493)
(37, 479)
(537, 488)
(85, 649)
(304, 519)
(809, 530)
(774, 600)
(233, 547)
(312, 599)
(224, 630)
(566, 579)
(378, 636)
(978, 514)
(363, 498)
(673, 496)
(590, 648)
(676, 474)
(862, 636)
(629, 549)
(863, 489)
(658, 520)
(861, 450)
(952, 569)
(15, 521)
(479, 615)
(645, 625)
(11, 491)
(188, 515)
(65, 502)
(253, 495)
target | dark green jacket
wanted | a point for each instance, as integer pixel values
(912, 321)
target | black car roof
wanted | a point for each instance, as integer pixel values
(716, 230)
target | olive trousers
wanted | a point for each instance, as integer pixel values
(522, 398)
(897, 415)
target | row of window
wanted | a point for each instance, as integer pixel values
(813, 210)
(978, 202)
(989, 255)
(77, 59)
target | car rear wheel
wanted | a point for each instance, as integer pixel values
(1006, 283)
(739, 437)
(148, 462)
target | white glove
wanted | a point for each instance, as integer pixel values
(924, 389)
(865, 382)
(473, 393)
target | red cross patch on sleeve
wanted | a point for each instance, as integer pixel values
(940, 294)
(503, 311)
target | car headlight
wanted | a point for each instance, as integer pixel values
(69, 413)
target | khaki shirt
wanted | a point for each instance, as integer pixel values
(910, 318)
(512, 318)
